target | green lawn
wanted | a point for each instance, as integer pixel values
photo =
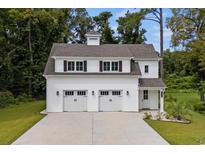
(176, 133)
(16, 119)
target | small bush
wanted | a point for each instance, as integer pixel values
(147, 115)
(199, 107)
(23, 98)
(6, 98)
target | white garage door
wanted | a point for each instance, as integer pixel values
(75, 100)
(110, 100)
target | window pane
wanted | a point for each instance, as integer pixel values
(145, 94)
(79, 66)
(71, 66)
(114, 66)
(106, 66)
(146, 69)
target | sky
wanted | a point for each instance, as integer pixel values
(152, 28)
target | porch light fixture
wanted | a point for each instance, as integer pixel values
(57, 93)
(127, 92)
(93, 93)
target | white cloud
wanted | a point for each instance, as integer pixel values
(124, 11)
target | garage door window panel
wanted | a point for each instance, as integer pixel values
(116, 93)
(81, 93)
(104, 93)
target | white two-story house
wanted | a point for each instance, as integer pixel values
(103, 77)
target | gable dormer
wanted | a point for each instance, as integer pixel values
(93, 38)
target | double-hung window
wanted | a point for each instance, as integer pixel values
(71, 65)
(79, 66)
(115, 66)
(146, 69)
(106, 66)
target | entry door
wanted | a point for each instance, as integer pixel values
(145, 99)
(110, 100)
(75, 100)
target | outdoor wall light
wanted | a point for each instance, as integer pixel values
(127, 92)
(57, 93)
(93, 93)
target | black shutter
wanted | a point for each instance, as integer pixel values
(120, 66)
(100, 68)
(65, 65)
(85, 66)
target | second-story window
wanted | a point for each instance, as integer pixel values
(106, 66)
(79, 66)
(146, 69)
(71, 65)
(115, 66)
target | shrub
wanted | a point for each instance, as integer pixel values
(178, 109)
(6, 98)
(147, 115)
(199, 107)
(23, 98)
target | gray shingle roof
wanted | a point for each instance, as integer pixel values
(151, 82)
(104, 50)
(93, 33)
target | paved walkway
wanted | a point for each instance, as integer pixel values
(91, 128)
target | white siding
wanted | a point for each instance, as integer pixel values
(152, 99)
(93, 42)
(91, 83)
(58, 65)
(92, 65)
(153, 69)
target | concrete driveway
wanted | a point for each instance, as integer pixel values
(91, 128)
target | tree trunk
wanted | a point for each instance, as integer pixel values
(31, 59)
(161, 44)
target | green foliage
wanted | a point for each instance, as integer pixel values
(187, 25)
(178, 109)
(102, 25)
(129, 28)
(6, 98)
(180, 82)
(19, 64)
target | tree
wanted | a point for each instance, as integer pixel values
(129, 29)
(178, 109)
(81, 24)
(156, 15)
(102, 25)
(187, 25)
(26, 37)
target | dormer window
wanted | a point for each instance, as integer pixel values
(110, 66)
(72, 66)
(115, 66)
(146, 69)
(106, 66)
(79, 66)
